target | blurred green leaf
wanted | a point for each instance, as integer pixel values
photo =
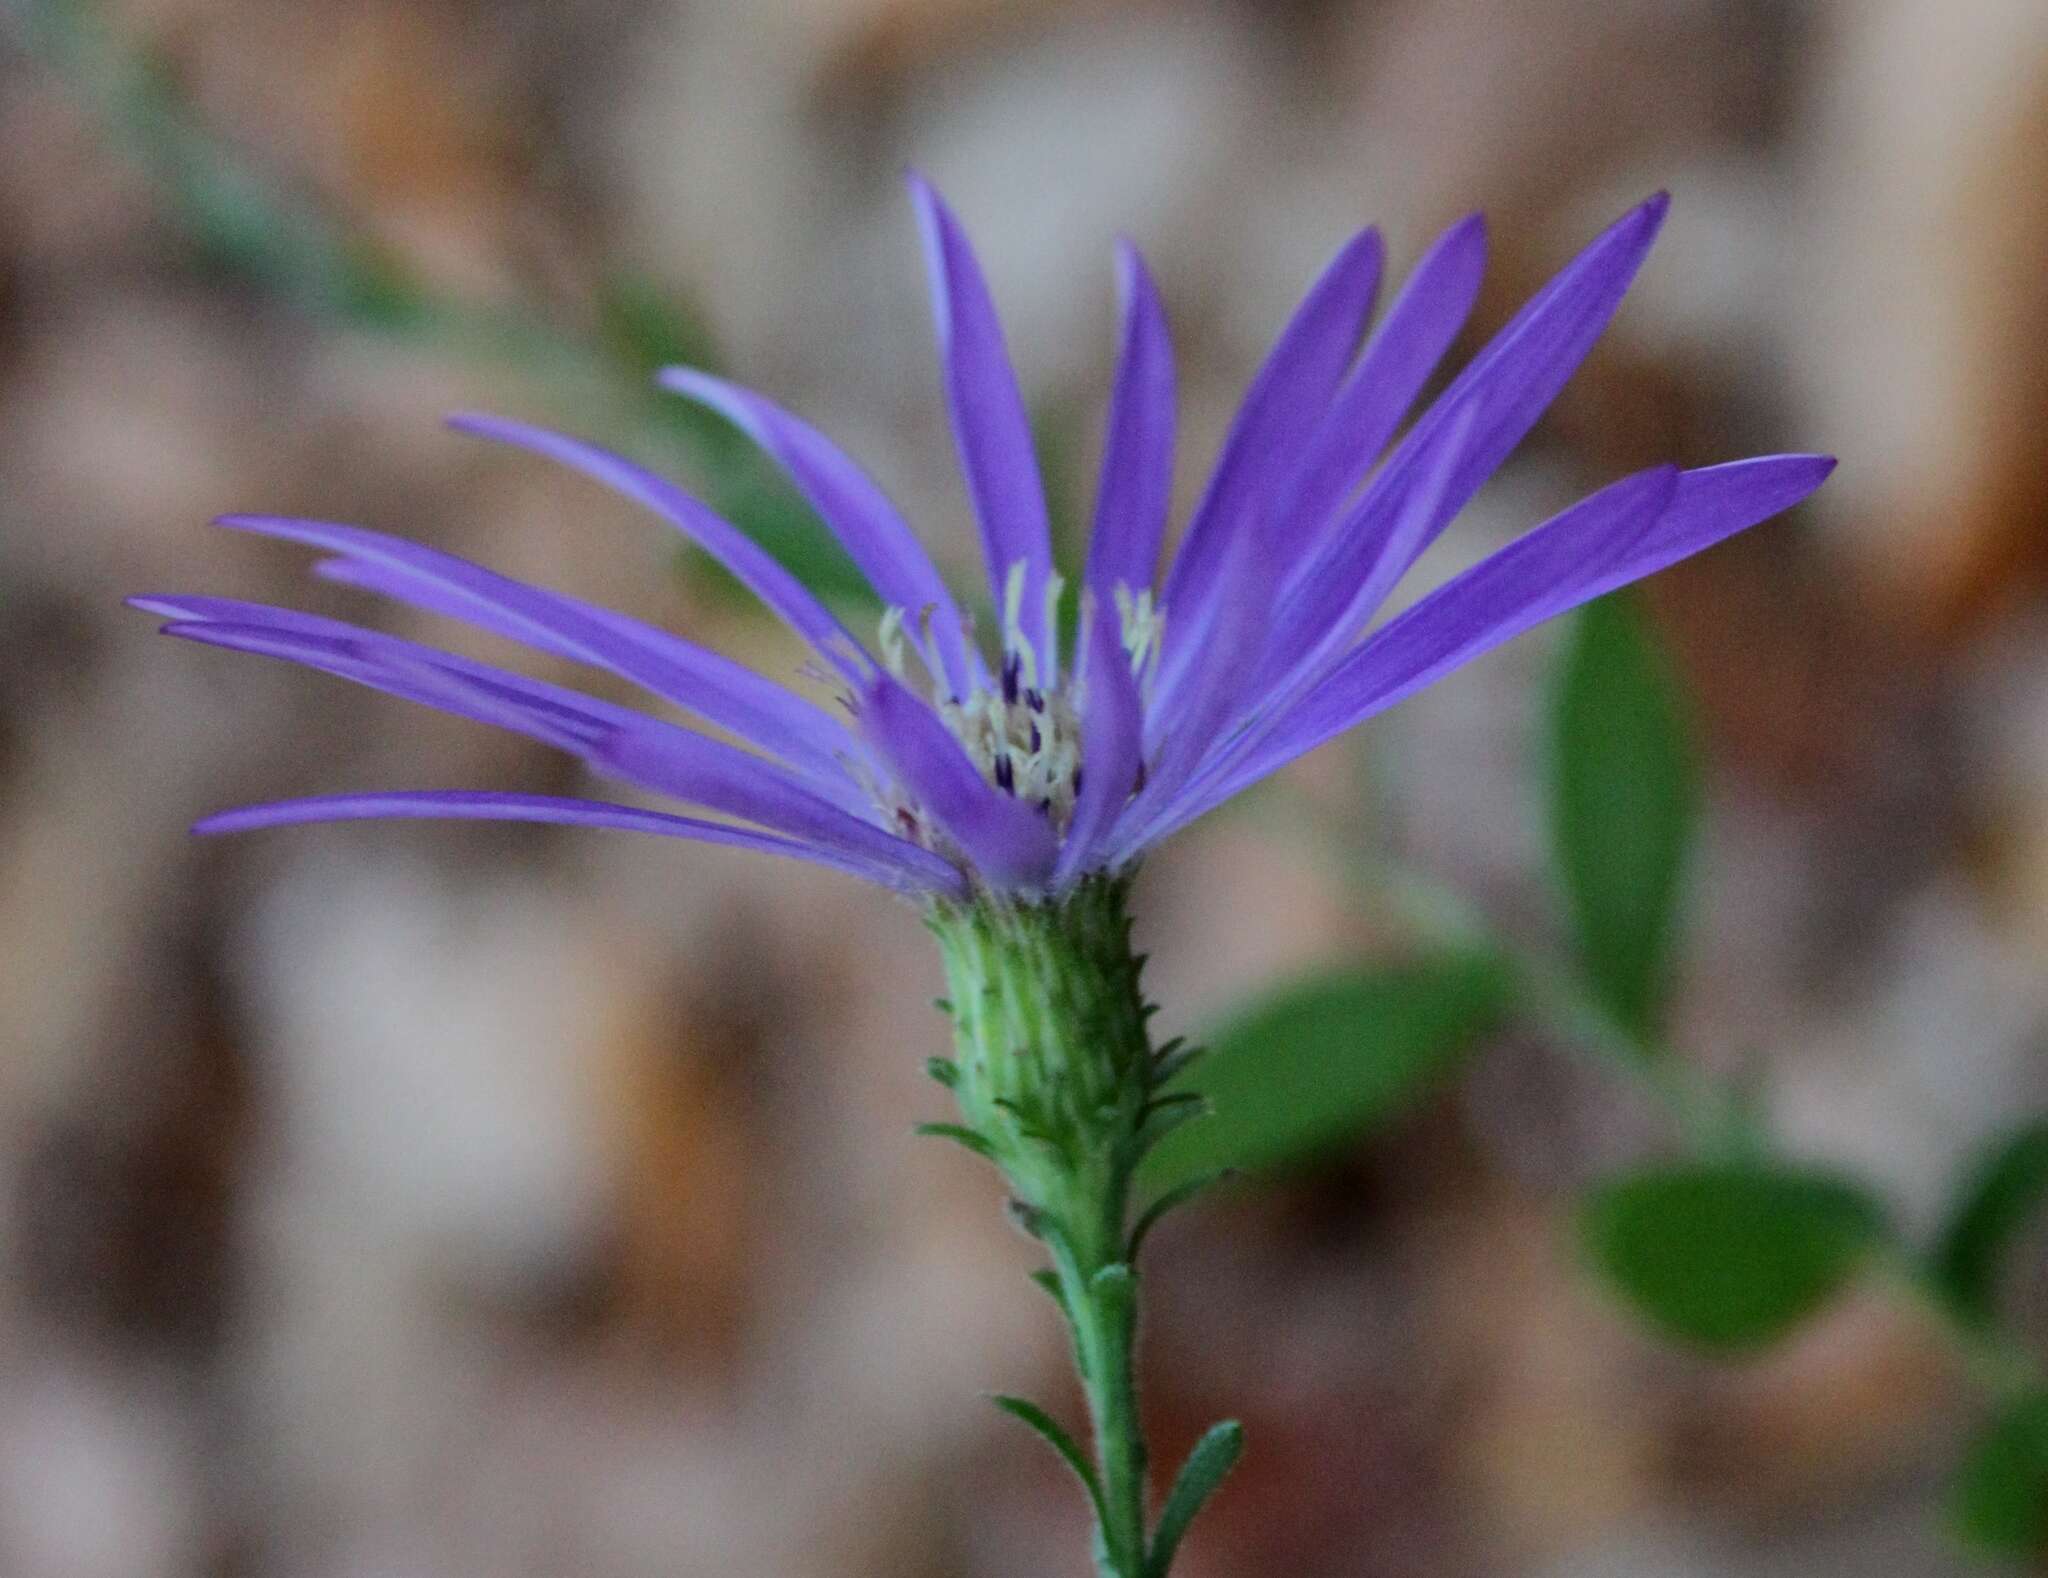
(1623, 804)
(649, 326)
(644, 327)
(1058, 438)
(2004, 1193)
(1728, 1256)
(1998, 1504)
(757, 500)
(1319, 1062)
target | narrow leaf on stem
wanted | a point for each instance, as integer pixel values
(1058, 1439)
(959, 1136)
(1179, 1195)
(1213, 1457)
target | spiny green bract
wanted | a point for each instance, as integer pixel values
(1054, 1068)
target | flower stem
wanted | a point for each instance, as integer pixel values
(1059, 1085)
(1100, 1289)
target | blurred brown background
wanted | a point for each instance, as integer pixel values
(414, 1201)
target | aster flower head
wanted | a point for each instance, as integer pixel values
(963, 767)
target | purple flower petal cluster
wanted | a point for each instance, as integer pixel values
(1021, 769)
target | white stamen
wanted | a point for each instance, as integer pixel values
(1024, 739)
(892, 640)
(1013, 626)
(1055, 583)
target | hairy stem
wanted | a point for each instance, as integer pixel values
(1101, 1291)
(1058, 1084)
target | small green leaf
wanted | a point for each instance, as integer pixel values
(1049, 1428)
(1173, 1059)
(1166, 1115)
(2004, 1193)
(1998, 1503)
(1179, 1195)
(1321, 1061)
(958, 1135)
(1050, 1282)
(1213, 1457)
(1624, 799)
(646, 326)
(1726, 1255)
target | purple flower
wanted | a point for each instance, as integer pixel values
(1024, 768)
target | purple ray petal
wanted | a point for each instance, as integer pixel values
(1507, 386)
(1398, 360)
(1552, 569)
(1286, 403)
(1218, 687)
(504, 603)
(1009, 842)
(1716, 502)
(464, 805)
(752, 565)
(438, 680)
(566, 717)
(614, 740)
(1342, 611)
(877, 537)
(1539, 575)
(1136, 486)
(990, 428)
(700, 681)
(1112, 729)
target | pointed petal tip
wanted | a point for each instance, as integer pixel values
(1656, 482)
(481, 424)
(1467, 235)
(1809, 470)
(684, 380)
(932, 209)
(499, 429)
(239, 819)
(1366, 248)
(708, 390)
(1637, 229)
(1135, 285)
(936, 233)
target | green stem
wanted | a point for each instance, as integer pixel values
(1058, 1084)
(1101, 1292)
